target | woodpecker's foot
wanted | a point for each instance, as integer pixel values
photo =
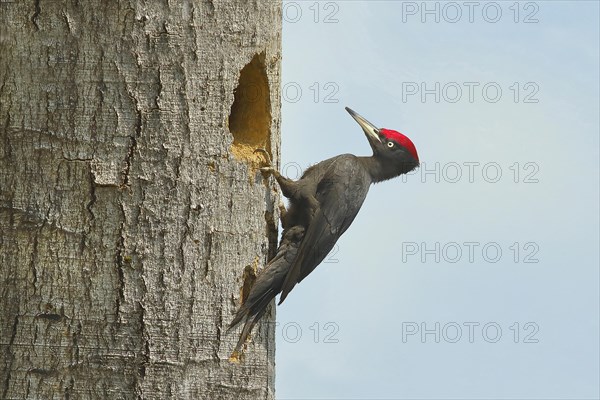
(267, 156)
(269, 170)
(282, 209)
(282, 214)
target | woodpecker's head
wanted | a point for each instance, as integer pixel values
(397, 153)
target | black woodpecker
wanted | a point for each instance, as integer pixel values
(323, 204)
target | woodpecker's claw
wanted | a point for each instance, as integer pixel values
(267, 156)
(268, 170)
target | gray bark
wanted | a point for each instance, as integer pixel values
(132, 214)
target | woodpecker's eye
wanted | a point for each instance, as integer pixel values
(390, 144)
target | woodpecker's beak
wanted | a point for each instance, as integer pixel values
(370, 130)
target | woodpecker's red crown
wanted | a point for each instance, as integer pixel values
(401, 139)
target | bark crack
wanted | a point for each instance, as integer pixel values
(13, 335)
(159, 89)
(34, 250)
(51, 317)
(132, 144)
(75, 353)
(120, 275)
(119, 264)
(93, 197)
(186, 230)
(36, 14)
(208, 246)
(69, 388)
(145, 351)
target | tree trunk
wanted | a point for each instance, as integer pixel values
(132, 214)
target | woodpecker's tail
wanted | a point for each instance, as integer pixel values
(250, 316)
(268, 284)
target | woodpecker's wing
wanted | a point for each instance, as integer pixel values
(340, 194)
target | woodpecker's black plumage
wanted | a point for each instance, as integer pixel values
(323, 204)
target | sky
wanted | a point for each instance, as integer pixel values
(476, 277)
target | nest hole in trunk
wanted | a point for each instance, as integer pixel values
(250, 116)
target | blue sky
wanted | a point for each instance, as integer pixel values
(510, 306)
